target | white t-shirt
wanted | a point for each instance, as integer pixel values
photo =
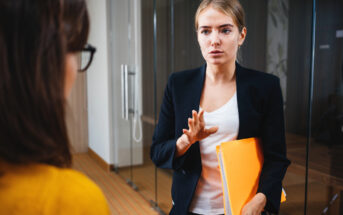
(208, 196)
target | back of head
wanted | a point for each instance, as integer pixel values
(35, 36)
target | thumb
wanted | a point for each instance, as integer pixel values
(212, 130)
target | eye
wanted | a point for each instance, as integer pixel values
(226, 30)
(205, 31)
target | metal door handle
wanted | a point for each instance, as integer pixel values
(124, 91)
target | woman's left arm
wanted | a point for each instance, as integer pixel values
(274, 151)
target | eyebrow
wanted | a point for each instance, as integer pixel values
(221, 26)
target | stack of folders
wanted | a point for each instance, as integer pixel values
(240, 163)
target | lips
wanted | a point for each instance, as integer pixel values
(216, 52)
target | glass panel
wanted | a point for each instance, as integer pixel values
(187, 54)
(144, 176)
(120, 55)
(325, 186)
(279, 42)
(177, 50)
(163, 69)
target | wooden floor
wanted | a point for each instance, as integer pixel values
(122, 199)
(325, 163)
(143, 177)
(325, 180)
(325, 177)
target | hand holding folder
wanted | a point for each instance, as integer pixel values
(240, 163)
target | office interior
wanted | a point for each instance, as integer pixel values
(141, 42)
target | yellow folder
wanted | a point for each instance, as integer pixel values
(240, 163)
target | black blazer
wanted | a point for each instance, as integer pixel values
(260, 108)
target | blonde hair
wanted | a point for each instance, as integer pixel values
(229, 7)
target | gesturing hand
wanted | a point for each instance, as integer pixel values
(196, 128)
(196, 131)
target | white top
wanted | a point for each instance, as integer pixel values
(208, 196)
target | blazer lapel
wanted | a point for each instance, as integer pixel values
(241, 100)
(198, 85)
(193, 96)
(192, 93)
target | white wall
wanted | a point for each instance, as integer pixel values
(98, 83)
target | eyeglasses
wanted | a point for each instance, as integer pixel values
(87, 54)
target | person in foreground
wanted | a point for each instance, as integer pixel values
(220, 101)
(39, 44)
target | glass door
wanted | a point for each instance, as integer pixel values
(144, 173)
(125, 52)
(325, 161)
(162, 68)
(177, 50)
(132, 42)
(150, 39)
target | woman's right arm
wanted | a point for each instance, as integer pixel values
(168, 151)
(163, 150)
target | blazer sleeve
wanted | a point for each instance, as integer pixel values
(163, 148)
(274, 148)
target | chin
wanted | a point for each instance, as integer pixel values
(216, 62)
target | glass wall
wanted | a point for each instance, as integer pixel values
(279, 41)
(325, 167)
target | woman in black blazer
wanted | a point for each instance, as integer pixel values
(181, 130)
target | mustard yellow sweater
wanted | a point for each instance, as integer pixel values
(44, 189)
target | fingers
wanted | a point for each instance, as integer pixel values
(188, 136)
(211, 130)
(186, 132)
(190, 124)
(196, 127)
(194, 122)
(201, 119)
(201, 116)
(195, 116)
(196, 119)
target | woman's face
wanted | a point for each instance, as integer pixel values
(71, 73)
(218, 37)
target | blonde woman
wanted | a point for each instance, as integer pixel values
(221, 101)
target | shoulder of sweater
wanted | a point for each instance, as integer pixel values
(78, 192)
(75, 181)
(51, 189)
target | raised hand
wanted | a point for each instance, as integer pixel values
(196, 128)
(196, 131)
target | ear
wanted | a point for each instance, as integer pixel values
(70, 73)
(242, 36)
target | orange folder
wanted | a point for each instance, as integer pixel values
(240, 163)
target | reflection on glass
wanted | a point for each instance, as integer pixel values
(279, 42)
(326, 149)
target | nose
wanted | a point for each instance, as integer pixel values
(215, 39)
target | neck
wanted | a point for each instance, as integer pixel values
(221, 73)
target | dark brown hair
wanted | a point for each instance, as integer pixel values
(231, 8)
(35, 36)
